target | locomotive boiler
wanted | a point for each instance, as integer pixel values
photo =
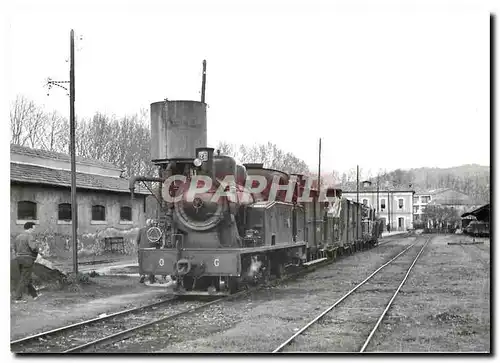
(223, 224)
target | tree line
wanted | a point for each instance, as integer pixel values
(123, 141)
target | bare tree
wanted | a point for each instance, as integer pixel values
(55, 133)
(21, 113)
(226, 148)
(268, 154)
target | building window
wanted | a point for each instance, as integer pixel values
(426, 199)
(98, 213)
(26, 210)
(401, 203)
(365, 201)
(125, 214)
(415, 200)
(382, 203)
(64, 213)
(415, 208)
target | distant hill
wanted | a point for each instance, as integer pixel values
(471, 179)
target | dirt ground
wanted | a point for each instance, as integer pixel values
(260, 322)
(445, 304)
(58, 307)
(443, 307)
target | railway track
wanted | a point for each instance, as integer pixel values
(101, 343)
(72, 336)
(121, 335)
(90, 335)
(321, 317)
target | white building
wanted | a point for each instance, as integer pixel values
(394, 206)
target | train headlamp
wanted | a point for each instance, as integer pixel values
(197, 162)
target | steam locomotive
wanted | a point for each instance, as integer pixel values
(223, 224)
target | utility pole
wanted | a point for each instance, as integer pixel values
(357, 201)
(50, 84)
(203, 81)
(389, 208)
(315, 214)
(319, 166)
(74, 209)
(378, 181)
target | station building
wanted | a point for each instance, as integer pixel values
(41, 193)
(394, 205)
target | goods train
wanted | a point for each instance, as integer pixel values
(251, 223)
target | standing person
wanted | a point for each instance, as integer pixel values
(143, 242)
(26, 250)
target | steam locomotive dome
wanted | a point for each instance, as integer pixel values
(269, 174)
(224, 165)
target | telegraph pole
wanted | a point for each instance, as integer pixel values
(389, 208)
(203, 81)
(315, 216)
(74, 209)
(357, 201)
(50, 84)
(319, 166)
(378, 183)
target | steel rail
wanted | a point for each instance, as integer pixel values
(122, 334)
(289, 340)
(86, 322)
(393, 297)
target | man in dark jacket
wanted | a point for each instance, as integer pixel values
(26, 250)
(143, 242)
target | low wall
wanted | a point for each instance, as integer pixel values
(89, 244)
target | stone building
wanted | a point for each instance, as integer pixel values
(41, 192)
(395, 205)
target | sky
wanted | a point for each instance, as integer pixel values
(386, 85)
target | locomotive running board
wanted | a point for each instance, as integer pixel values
(313, 262)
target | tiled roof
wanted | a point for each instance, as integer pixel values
(432, 191)
(482, 213)
(24, 173)
(58, 156)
